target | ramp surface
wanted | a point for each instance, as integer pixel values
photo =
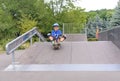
(80, 59)
(72, 53)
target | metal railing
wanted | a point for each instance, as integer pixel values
(13, 45)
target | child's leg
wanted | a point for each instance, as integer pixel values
(51, 38)
(62, 38)
(58, 40)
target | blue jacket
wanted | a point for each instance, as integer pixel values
(56, 34)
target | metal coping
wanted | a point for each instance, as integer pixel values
(64, 67)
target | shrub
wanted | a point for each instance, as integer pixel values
(92, 39)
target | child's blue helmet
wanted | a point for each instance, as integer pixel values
(55, 25)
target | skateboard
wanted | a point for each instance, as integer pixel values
(56, 46)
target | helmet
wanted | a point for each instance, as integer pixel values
(55, 24)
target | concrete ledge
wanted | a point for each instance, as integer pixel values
(64, 67)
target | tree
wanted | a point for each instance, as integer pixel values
(100, 18)
(93, 24)
(7, 27)
(116, 16)
(58, 6)
(26, 23)
(18, 16)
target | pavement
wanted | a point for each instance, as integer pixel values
(60, 76)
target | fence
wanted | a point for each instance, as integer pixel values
(75, 32)
(74, 28)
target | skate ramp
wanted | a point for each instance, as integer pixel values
(76, 61)
(102, 52)
(85, 61)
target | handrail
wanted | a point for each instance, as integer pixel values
(13, 45)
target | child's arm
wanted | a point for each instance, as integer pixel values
(60, 33)
(52, 33)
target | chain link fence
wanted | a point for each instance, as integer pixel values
(74, 28)
(75, 32)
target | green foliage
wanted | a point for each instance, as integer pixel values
(92, 39)
(18, 16)
(104, 14)
(73, 28)
(115, 21)
(26, 23)
(99, 18)
(77, 15)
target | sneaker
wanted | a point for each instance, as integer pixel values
(59, 44)
(49, 34)
(64, 36)
(53, 42)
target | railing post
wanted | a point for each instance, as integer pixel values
(63, 29)
(31, 41)
(85, 30)
(39, 39)
(13, 60)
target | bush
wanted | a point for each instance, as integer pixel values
(26, 23)
(24, 46)
(92, 39)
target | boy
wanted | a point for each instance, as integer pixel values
(56, 34)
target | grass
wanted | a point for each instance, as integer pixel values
(24, 46)
(2, 50)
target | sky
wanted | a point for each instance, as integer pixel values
(97, 4)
